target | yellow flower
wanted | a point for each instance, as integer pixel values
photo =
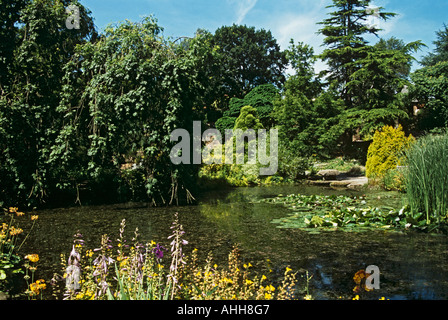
(249, 282)
(263, 277)
(37, 286)
(13, 209)
(34, 217)
(288, 269)
(32, 257)
(124, 262)
(19, 214)
(227, 280)
(356, 297)
(13, 231)
(308, 297)
(267, 296)
(270, 288)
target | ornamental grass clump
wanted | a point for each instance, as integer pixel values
(426, 179)
(150, 271)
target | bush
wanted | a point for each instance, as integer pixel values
(386, 151)
(426, 177)
(248, 119)
(225, 123)
(292, 166)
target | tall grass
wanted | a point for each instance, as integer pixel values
(426, 178)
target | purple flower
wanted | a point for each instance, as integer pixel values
(158, 251)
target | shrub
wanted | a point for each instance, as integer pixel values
(248, 119)
(426, 177)
(224, 123)
(386, 151)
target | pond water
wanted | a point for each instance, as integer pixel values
(412, 265)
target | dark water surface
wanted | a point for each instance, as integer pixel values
(412, 265)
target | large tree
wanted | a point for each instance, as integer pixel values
(250, 58)
(368, 78)
(440, 53)
(430, 85)
(40, 46)
(344, 33)
(123, 97)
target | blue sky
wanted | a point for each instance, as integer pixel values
(286, 19)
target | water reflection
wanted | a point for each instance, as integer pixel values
(412, 265)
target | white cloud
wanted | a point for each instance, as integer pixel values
(302, 27)
(243, 7)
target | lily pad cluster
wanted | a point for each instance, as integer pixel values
(316, 213)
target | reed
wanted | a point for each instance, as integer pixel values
(426, 177)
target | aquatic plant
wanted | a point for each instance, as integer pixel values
(426, 179)
(317, 213)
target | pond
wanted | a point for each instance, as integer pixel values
(412, 265)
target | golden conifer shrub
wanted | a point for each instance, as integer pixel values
(386, 151)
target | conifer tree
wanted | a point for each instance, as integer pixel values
(344, 31)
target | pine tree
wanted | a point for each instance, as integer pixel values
(344, 32)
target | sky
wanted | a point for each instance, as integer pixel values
(286, 19)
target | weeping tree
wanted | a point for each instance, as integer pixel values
(35, 45)
(122, 97)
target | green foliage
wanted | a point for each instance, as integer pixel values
(426, 178)
(386, 151)
(292, 166)
(440, 53)
(343, 32)
(382, 74)
(248, 119)
(430, 86)
(261, 98)
(430, 89)
(225, 123)
(233, 175)
(30, 92)
(134, 89)
(249, 58)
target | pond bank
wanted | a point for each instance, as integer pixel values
(337, 179)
